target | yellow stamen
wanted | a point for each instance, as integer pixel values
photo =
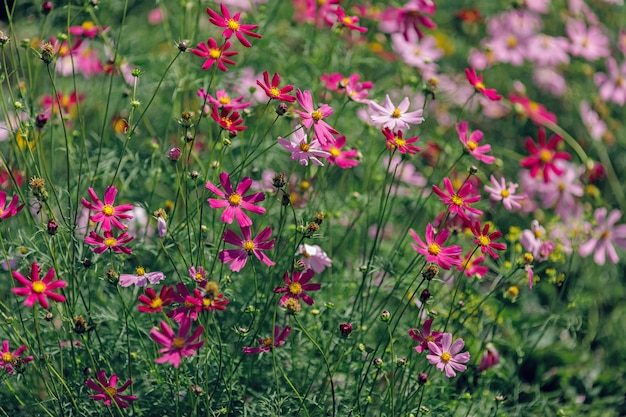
(7, 357)
(274, 92)
(456, 200)
(445, 356)
(434, 249)
(505, 193)
(249, 246)
(112, 392)
(295, 288)
(156, 303)
(472, 145)
(233, 25)
(304, 147)
(484, 240)
(234, 199)
(140, 271)
(396, 113)
(333, 151)
(317, 115)
(110, 242)
(178, 343)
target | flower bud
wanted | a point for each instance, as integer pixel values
(183, 45)
(46, 7)
(48, 317)
(52, 227)
(174, 154)
(422, 378)
(281, 109)
(385, 316)
(378, 362)
(41, 120)
(4, 39)
(425, 296)
(345, 329)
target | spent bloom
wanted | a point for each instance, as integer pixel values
(270, 343)
(477, 82)
(175, 346)
(108, 241)
(271, 88)
(433, 248)
(296, 287)
(214, 54)
(8, 359)
(302, 150)
(232, 25)
(107, 390)
(458, 201)
(471, 141)
(141, 278)
(313, 117)
(543, 157)
(107, 214)
(448, 356)
(424, 335)
(38, 290)
(605, 235)
(235, 201)
(394, 118)
(247, 246)
(505, 193)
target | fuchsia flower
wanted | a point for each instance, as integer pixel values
(490, 358)
(214, 54)
(248, 246)
(604, 237)
(12, 209)
(447, 357)
(535, 111)
(458, 202)
(141, 278)
(477, 82)
(223, 100)
(108, 214)
(396, 141)
(433, 248)
(190, 303)
(232, 25)
(470, 266)
(235, 201)
(351, 22)
(9, 359)
(155, 303)
(536, 241)
(486, 239)
(227, 120)
(296, 286)
(343, 159)
(394, 118)
(544, 156)
(176, 345)
(38, 290)
(109, 242)
(505, 193)
(108, 391)
(408, 18)
(313, 117)
(271, 88)
(301, 150)
(612, 86)
(270, 343)
(87, 29)
(471, 143)
(424, 336)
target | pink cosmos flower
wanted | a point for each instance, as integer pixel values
(312, 117)
(358, 90)
(603, 238)
(88, 29)
(470, 142)
(9, 359)
(214, 54)
(470, 266)
(108, 215)
(546, 50)
(490, 358)
(141, 278)
(486, 239)
(190, 303)
(235, 201)
(477, 82)
(409, 18)
(314, 257)
(424, 335)
(154, 303)
(563, 192)
(536, 241)
(271, 88)
(533, 110)
(107, 390)
(12, 209)
(351, 22)
(433, 248)
(612, 86)
(248, 246)
(394, 118)
(589, 43)
(448, 357)
(396, 141)
(270, 343)
(38, 290)
(232, 25)
(227, 120)
(197, 274)
(458, 201)
(544, 156)
(531, 276)
(301, 150)
(419, 53)
(505, 193)
(296, 286)
(223, 100)
(343, 159)
(108, 241)
(592, 121)
(176, 345)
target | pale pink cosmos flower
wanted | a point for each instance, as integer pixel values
(235, 201)
(108, 214)
(392, 117)
(550, 80)
(222, 99)
(547, 50)
(501, 191)
(604, 236)
(536, 241)
(448, 356)
(589, 43)
(612, 86)
(314, 257)
(490, 358)
(176, 345)
(141, 278)
(471, 141)
(247, 246)
(592, 121)
(358, 90)
(312, 117)
(302, 150)
(409, 18)
(419, 53)
(197, 274)
(563, 192)
(433, 249)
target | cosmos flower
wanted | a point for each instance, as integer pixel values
(302, 150)
(394, 118)
(270, 343)
(296, 287)
(232, 25)
(141, 278)
(10, 359)
(107, 390)
(448, 356)
(235, 201)
(433, 248)
(38, 290)
(271, 88)
(108, 214)
(177, 345)
(247, 246)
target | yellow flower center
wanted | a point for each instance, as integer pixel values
(445, 356)
(317, 115)
(207, 302)
(430, 338)
(333, 151)
(605, 235)
(224, 100)
(305, 185)
(233, 24)
(511, 41)
(456, 200)
(107, 210)
(156, 303)
(198, 276)
(39, 287)
(538, 233)
(620, 81)
(417, 51)
(484, 240)
(111, 392)
(533, 106)
(396, 113)
(7, 357)
(140, 271)
(399, 141)
(505, 193)
(226, 121)
(267, 342)
(561, 187)
(88, 25)
(304, 147)
(306, 254)
(295, 288)
(215, 53)
(234, 199)
(479, 85)
(347, 20)
(545, 156)
(0, 212)
(178, 343)
(110, 242)
(274, 91)
(249, 246)
(434, 249)
(471, 145)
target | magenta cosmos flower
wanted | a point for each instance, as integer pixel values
(604, 236)
(108, 214)
(271, 88)
(107, 390)
(228, 119)
(433, 248)
(214, 54)
(232, 25)
(343, 159)
(458, 201)
(471, 141)
(533, 110)
(235, 201)
(154, 303)
(397, 141)
(312, 117)
(477, 82)
(296, 286)
(176, 345)
(247, 246)
(270, 343)
(10, 359)
(425, 335)
(447, 357)
(543, 157)
(108, 241)
(12, 209)
(395, 118)
(486, 240)
(38, 290)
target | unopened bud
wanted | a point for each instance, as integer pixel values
(174, 154)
